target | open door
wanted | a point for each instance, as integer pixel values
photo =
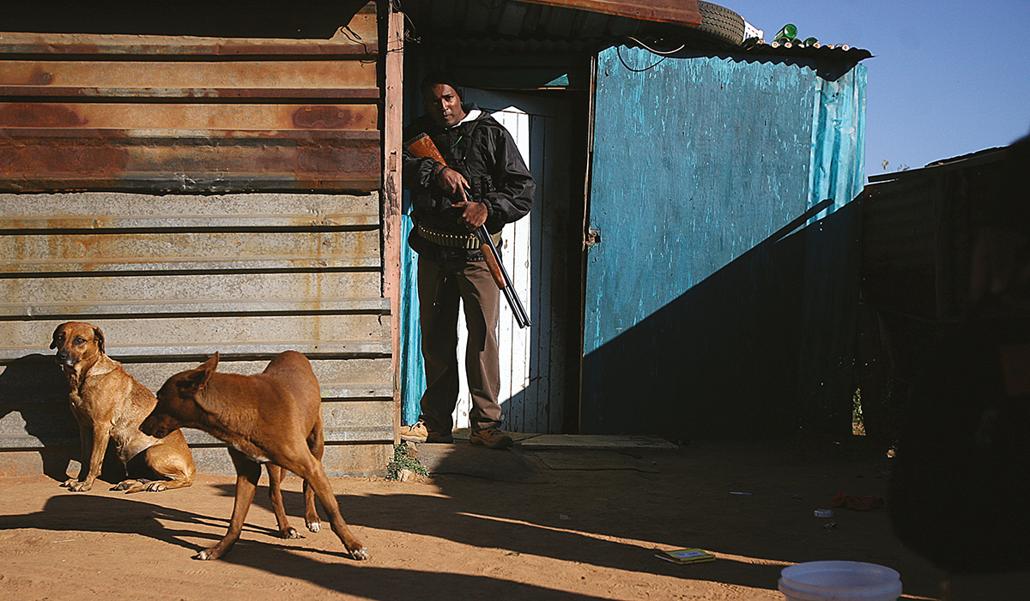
(537, 253)
(533, 374)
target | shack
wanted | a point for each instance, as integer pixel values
(193, 181)
(194, 178)
(934, 240)
(674, 162)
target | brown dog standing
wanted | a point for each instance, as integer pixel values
(109, 404)
(274, 417)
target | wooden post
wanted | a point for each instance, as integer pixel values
(392, 134)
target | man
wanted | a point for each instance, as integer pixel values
(485, 182)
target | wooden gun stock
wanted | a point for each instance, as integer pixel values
(423, 147)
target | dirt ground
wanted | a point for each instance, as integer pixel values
(569, 524)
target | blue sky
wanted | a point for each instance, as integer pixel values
(948, 77)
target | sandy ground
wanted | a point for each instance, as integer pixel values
(574, 525)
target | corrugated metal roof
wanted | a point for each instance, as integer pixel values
(677, 12)
(987, 155)
(445, 20)
(796, 50)
(504, 25)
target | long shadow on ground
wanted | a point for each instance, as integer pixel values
(615, 519)
(94, 513)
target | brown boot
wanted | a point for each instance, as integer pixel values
(416, 432)
(491, 438)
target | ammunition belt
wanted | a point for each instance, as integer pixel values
(450, 240)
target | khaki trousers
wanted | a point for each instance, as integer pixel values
(440, 286)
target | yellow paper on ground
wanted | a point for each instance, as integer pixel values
(685, 555)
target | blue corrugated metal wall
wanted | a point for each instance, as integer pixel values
(837, 168)
(697, 161)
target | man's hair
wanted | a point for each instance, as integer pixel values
(440, 77)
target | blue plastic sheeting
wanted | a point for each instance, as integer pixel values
(413, 377)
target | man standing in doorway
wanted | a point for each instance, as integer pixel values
(486, 182)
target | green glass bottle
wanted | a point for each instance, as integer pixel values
(786, 33)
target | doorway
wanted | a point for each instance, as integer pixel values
(540, 365)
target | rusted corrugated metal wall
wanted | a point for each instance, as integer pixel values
(919, 231)
(193, 195)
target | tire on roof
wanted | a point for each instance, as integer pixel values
(720, 23)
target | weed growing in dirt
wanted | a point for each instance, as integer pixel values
(405, 457)
(857, 418)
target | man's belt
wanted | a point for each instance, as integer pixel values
(450, 240)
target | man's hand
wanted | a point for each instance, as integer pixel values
(451, 181)
(473, 214)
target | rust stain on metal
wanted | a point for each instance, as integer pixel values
(113, 160)
(34, 161)
(30, 114)
(39, 77)
(370, 94)
(138, 119)
(327, 117)
(168, 74)
(358, 38)
(329, 160)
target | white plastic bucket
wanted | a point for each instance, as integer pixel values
(840, 581)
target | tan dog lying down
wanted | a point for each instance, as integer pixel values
(109, 404)
(273, 417)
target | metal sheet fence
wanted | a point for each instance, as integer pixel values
(181, 114)
(274, 272)
(269, 240)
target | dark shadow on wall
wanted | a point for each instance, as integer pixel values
(762, 348)
(318, 20)
(34, 412)
(35, 417)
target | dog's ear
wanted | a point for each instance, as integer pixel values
(98, 335)
(197, 378)
(53, 337)
(211, 364)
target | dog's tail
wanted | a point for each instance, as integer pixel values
(316, 439)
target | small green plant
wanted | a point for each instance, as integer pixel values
(404, 458)
(857, 419)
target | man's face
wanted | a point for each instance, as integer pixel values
(444, 105)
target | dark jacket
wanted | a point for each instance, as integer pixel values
(482, 151)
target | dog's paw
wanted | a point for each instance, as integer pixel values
(289, 532)
(80, 486)
(205, 555)
(360, 554)
(314, 526)
(68, 483)
(155, 487)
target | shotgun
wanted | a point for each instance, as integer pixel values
(422, 146)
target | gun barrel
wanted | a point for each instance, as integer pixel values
(521, 317)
